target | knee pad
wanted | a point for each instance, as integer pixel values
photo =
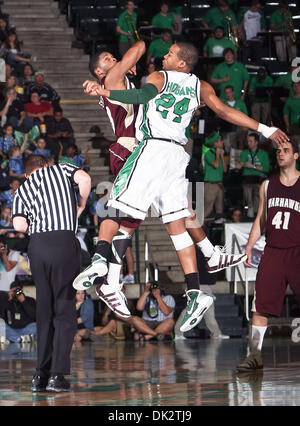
(182, 241)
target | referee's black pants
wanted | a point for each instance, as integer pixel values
(54, 262)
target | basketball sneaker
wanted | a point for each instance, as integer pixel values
(97, 268)
(114, 298)
(197, 304)
(252, 362)
(221, 260)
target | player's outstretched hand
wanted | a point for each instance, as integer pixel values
(279, 137)
(93, 88)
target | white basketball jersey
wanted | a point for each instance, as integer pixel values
(168, 115)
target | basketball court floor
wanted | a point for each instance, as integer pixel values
(185, 373)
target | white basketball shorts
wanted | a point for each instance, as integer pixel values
(153, 174)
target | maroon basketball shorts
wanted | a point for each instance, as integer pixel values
(118, 155)
(277, 269)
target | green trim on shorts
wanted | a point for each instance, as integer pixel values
(122, 179)
(143, 127)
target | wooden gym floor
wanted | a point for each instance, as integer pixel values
(186, 373)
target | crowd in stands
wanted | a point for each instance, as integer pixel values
(239, 56)
(31, 119)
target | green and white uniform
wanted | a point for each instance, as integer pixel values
(155, 172)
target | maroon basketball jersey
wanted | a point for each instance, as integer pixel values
(283, 214)
(121, 116)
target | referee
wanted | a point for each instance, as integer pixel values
(45, 205)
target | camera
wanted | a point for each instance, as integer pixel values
(154, 285)
(2, 248)
(17, 292)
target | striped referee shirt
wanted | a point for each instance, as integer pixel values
(47, 199)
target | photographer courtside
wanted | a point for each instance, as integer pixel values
(157, 310)
(18, 312)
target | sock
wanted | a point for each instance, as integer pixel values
(113, 275)
(119, 245)
(206, 247)
(192, 281)
(257, 336)
(102, 248)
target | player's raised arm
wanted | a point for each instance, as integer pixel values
(128, 61)
(234, 116)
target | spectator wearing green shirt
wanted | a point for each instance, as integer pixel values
(164, 19)
(255, 163)
(126, 26)
(237, 137)
(291, 114)
(220, 16)
(280, 20)
(159, 47)
(231, 72)
(214, 169)
(260, 106)
(215, 46)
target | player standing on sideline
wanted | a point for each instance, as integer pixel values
(279, 215)
(170, 98)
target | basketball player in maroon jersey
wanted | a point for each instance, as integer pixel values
(279, 215)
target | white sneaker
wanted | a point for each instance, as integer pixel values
(128, 279)
(98, 268)
(221, 336)
(179, 337)
(221, 260)
(114, 298)
(198, 304)
(4, 340)
(25, 339)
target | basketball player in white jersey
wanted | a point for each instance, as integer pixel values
(155, 172)
(111, 74)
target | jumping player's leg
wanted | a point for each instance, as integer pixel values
(110, 291)
(98, 267)
(108, 229)
(215, 257)
(198, 302)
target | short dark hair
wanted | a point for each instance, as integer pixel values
(228, 49)
(295, 146)
(15, 284)
(93, 64)
(58, 109)
(188, 53)
(33, 162)
(254, 135)
(229, 87)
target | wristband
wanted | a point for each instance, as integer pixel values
(266, 131)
